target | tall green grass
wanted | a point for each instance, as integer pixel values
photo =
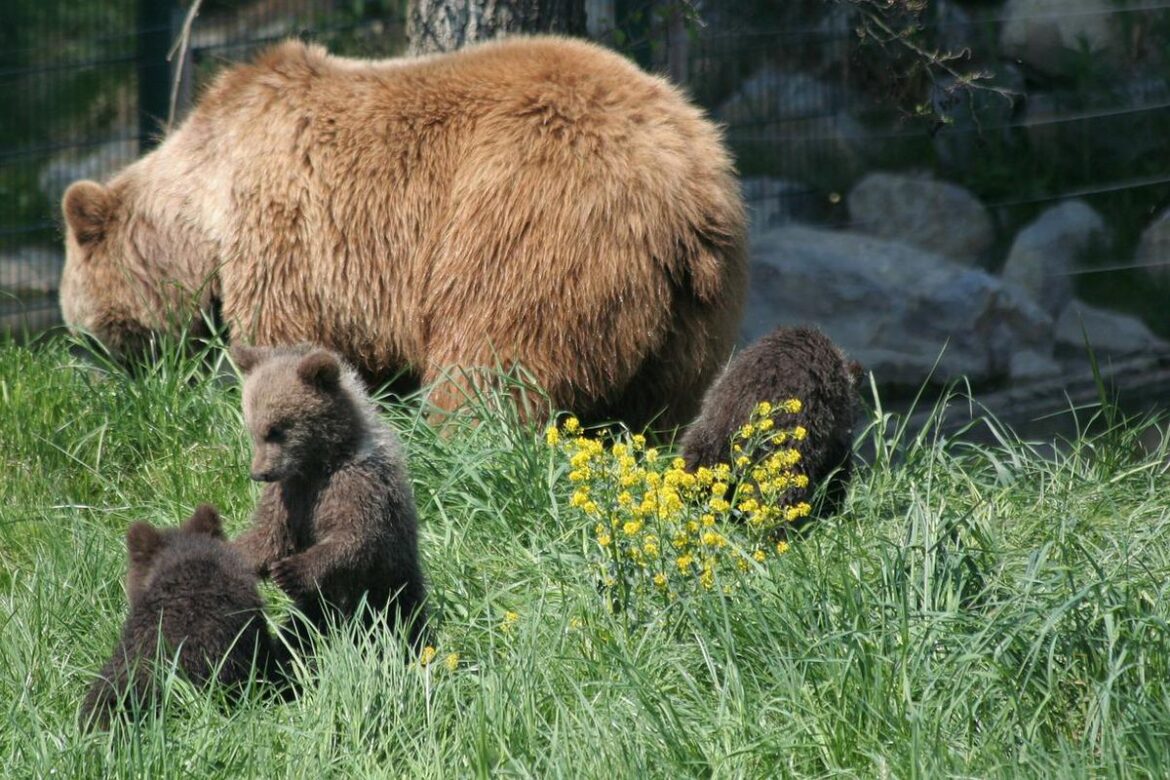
(973, 611)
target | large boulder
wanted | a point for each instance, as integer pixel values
(774, 202)
(1045, 33)
(808, 115)
(891, 306)
(1108, 332)
(30, 272)
(933, 215)
(1153, 252)
(74, 165)
(1045, 253)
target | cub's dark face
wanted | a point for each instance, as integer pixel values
(144, 544)
(294, 409)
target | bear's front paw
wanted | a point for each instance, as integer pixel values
(286, 574)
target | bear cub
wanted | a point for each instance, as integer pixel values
(789, 362)
(190, 593)
(337, 519)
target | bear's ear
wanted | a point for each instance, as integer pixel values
(143, 542)
(87, 207)
(205, 521)
(320, 369)
(246, 358)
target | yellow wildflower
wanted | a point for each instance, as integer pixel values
(766, 425)
(639, 441)
(781, 547)
(604, 540)
(793, 406)
(719, 505)
(742, 462)
(426, 656)
(552, 436)
(799, 433)
(632, 527)
(651, 455)
(747, 431)
(763, 409)
(660, 580)
(759, 556)
(451, 661)
(684, 562)
(707, 520)
(718, 489)
(572, 426)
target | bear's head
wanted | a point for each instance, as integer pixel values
(299, 407)
(127, 277)
(145, 543)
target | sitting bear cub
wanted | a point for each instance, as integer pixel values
(337, 520)
(192, 595)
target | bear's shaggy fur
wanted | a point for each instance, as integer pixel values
(190, 593)
(532, 201)
(337, 520)
(799, 363)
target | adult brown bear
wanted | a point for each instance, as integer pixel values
(533, 201)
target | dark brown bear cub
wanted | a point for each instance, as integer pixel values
(800, 363)
(337, 519)
(192, 595)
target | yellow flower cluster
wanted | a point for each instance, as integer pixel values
(427, 657)
(662, 531)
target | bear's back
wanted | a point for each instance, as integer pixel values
(204, 603)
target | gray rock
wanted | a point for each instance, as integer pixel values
(99, 165)
(806, 117)
(933, 215)
(1043, 33)
(1044, 254)
(891, 306)
(29, 272)
(775, 202)
(1033, 364)
(1153, 252)
(1109, 333)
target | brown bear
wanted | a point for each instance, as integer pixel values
(192, 597)
(800, 363)
(336, 521)
(536, 202)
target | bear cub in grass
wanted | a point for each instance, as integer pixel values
(190, 593)
(337, 520)
(799, 363)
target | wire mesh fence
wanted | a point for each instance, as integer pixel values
(809, 108)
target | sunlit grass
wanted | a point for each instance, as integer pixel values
(975, 611)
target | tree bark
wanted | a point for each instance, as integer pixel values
(446, 25)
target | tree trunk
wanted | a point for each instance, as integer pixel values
(446, 25)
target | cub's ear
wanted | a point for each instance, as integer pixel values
(205, 521)
(88, 207)
(246, 358)
(321, 369)
(856, 372)
(143, 542)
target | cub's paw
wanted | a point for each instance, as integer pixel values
(287, 575)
